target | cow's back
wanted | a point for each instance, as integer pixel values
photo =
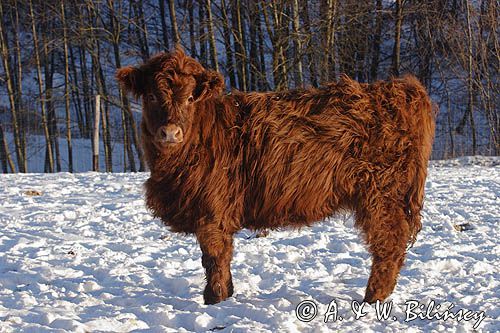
(311, 152)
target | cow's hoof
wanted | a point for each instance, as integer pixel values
(214, 294)
(372, 296)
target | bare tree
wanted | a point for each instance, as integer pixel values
(19, 80)
(470, 82)
(67, 88)
(192, 36)
(297, 42)
(21, 160)
(76, 46)
(173, 20)
(49, 155)
(396, 50)
(230, 68)
(95, 50)
(311, 62)
(211, 33)
(239, 44)
(5, 158)
(164, 29)
(377, 41)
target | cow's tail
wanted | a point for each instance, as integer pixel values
(424, 114)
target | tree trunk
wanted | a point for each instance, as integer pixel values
(398, 13)
(329, 62)
(5, 158)
(299, 79)
(125, 105)
(50, 158)
(75, 94)
(11, 92)
(377, 40)
(490, 92)
(95, 137)
(470, 78)
(254, 70)
(361, 40)
(137, 143)
(164, 28)
(313, 74)
(192, 36)
(142, 29)
(201, 33)
(279, 80)
(423, 41)
(226, 34)
(20, 105)
(86, 91)
(213, 48)
(239, 45)
(66, 89)
(263, 83)
(101, 88)
(281, 41)
(106, 129)
(450, 126)
(173, 20)
(49, 68)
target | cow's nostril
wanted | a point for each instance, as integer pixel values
(178, 135)
(163, 133)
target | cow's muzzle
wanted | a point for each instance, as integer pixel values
(169, 134)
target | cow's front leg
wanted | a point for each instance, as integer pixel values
(217, 249)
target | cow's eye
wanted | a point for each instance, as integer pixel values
(151, 98)
(190, 99)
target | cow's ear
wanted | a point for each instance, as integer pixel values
(131, 79)
(208, 84)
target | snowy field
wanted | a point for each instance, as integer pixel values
(80, 253)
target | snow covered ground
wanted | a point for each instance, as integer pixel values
(85, 256)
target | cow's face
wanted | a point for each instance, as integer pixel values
(171, 86)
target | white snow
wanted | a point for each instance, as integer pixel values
(86, 256)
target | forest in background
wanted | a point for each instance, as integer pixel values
(57, 56)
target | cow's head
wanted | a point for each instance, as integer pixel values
(170, 84)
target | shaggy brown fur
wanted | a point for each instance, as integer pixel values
(271, 160)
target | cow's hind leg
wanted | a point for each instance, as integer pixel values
(387, 233)
(217, 252)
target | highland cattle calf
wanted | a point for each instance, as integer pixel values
(223, 162)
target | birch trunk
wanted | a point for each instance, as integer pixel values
(95, 137)
(5, 157)
(299, 80)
